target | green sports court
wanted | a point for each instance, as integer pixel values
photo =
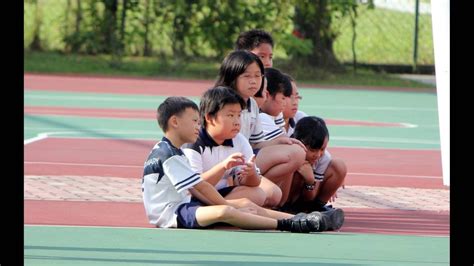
(86, 138)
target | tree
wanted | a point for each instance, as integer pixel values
(109, 29)
(313, 20)
(36, 43)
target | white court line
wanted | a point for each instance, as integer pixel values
(37, 138)
(111, 227)
(140, 166)
(157, 133)
(406, 176)
(85, 164)
(92, 98)
(368, 108)
(45, 135)
(386, 140)
(147, 99)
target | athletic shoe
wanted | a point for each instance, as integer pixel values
(330, 220)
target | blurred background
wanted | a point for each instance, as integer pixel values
(343, 42)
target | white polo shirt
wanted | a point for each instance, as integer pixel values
(205, 153)
(250, 126)
(321, 165)
(270, 129)
(167, 176)
(293, 121)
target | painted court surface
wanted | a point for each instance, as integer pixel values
(86, 139)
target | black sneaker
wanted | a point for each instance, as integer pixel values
(326, 221)
(299, 216)
(302, 226)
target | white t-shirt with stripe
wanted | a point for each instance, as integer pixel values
(321, 165)
(270, 129)
(167, 176)
(250, 125)
(205, 153)
(293, 121)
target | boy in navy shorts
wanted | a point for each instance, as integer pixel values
(176, 196)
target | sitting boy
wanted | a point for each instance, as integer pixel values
(334, 168)
(168, 182)
(311, 187)
(221, 154)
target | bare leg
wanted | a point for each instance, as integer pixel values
(278, 163)
(296, 190)
(333, 179)
(272, 191)
(254, 194)
(245, 203)
(221, 213)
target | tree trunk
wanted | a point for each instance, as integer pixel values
(109, 30)
(122, 25)
(146, 45)
(66, 18)
(36, 43)
(313, 20)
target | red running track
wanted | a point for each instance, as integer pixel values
(125, 157)
(122, 214)
(150, 114)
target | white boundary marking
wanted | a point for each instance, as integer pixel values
(86, 164)
(391, 175)
(37, 138)
(140, 166)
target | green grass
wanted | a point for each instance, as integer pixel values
(386, 37)
(51, 62)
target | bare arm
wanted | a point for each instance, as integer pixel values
(208, 194)
(279, 140)
(248, 175)
(214, 175)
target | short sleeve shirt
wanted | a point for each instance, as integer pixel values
(321, 165)
(293, 121)
(167, 176)
(270, 129)
(250, 126)
(205, 153)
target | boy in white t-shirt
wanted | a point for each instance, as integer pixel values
(169, 182)
(333, 168)
(221, 154)
(312, 187)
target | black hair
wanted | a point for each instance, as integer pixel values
(289, 77)
(172, 106)
(277, 82)
(214, 100)
(259, 93)
(311, 130)
(251, 39)
(234, 64)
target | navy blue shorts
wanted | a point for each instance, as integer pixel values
(186, 212)
(255, 151)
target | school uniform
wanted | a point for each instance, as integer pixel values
(292, 122)
(205, 153)
(167, 176)
(250, 125)
(321, 165)
(269, 126)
